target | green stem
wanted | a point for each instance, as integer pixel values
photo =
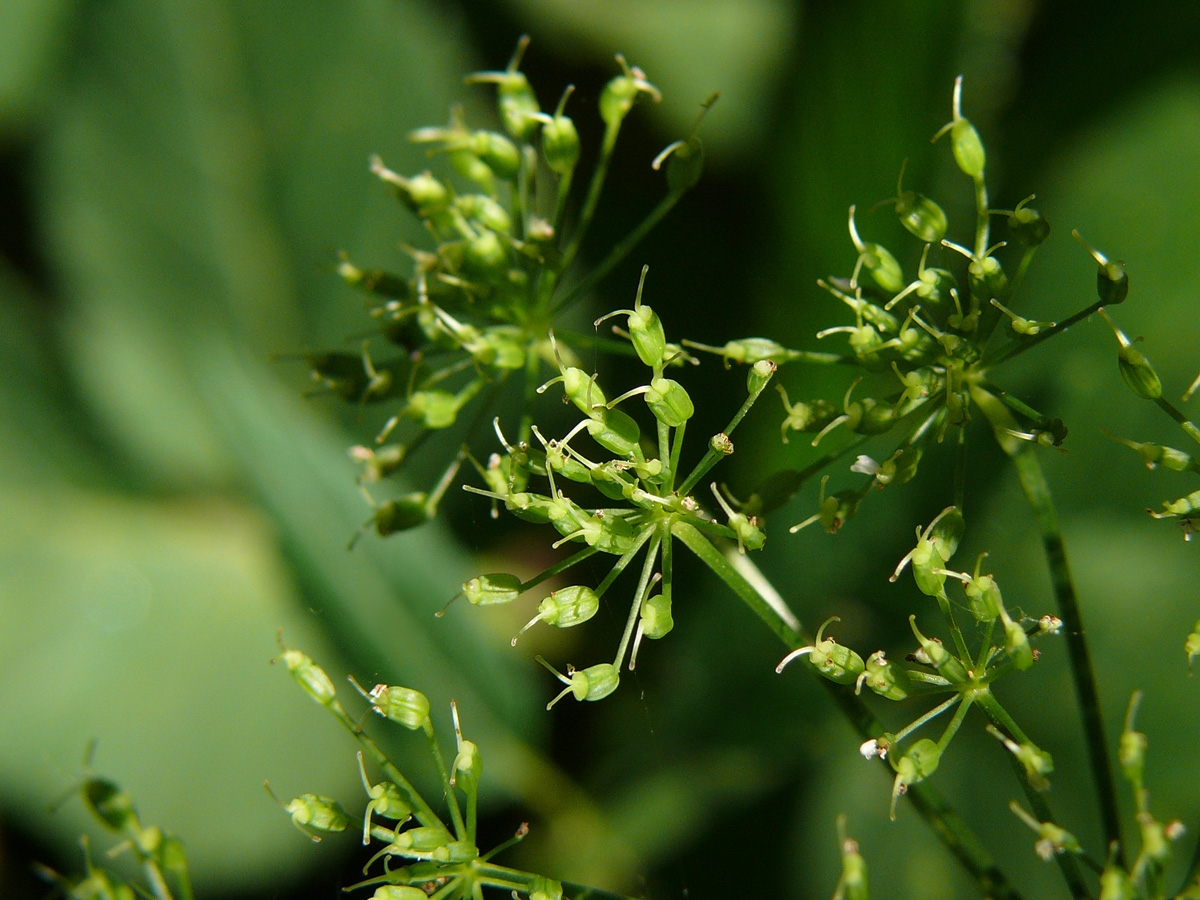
(618, 252)
(1037, 492)
(1020, 345)
(1067, 863)
(638, 597)
(953, 832)
(1169, 408)
(422, 810)
(593, 195)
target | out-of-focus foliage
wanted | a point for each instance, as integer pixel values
(179, 177)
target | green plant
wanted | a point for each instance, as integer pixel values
(483, 306)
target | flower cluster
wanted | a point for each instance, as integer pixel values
(419, 852)
(478, 306)
(1004, 646)
(635, 497)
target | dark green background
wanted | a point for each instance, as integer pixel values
(176, 179)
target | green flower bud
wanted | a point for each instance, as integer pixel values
(593, 683)
(490, 590)
(986, 278)
(721, 443)
(580, 388)
(838, 663)
(913, 767)
(316, 815)
(1027, 224)
(804, 416)
(618, 95)
(1155, 455)
(486, 256)
(1134, 367)
(834, 510)
(927, 558)
(565, 608)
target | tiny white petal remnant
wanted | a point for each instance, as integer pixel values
(865, 466)
(870, 749)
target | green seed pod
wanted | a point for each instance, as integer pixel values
(1131, 751)
(519, 110)
(593, 683)
(402, 705)
(433, 409)
(386, 801)
(877, 261)
(759, 375)
(669, 402)
(423, 194)
(1191, 646)
(493, 589)
(933, 653)
(375, 281)
(486, 257)
(1115, 884)
(1016, 643)
(308, 675)
(401, 514)
(560, 140)
(316, 815)
(108, 803)
(884, 677)
(834, 661)
(565, 608)
(542, 888)
(1027, 224)
(399, 892)
(498, 152)
(1112, 282)
(615, 432)
(964, 139)
(656, 619)
(804, 416)
(913, 767)
(900, 467)
(645, 328)
(580, 388)
(983, 597)
(852, 885)
(986, 278)
(750, 351)
(421, 839)
(923, 218)
(485, 212)
(619, 94)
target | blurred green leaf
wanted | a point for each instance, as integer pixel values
(688, 50)
(32, 33)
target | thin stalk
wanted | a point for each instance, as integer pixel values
(1067, 863)
(422, 810)
(618, 252)
(1020, 345)
(593, 195)
(1037, 492)
(951, 830)
(638, 597)
(1169, 408)
(713, 456)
